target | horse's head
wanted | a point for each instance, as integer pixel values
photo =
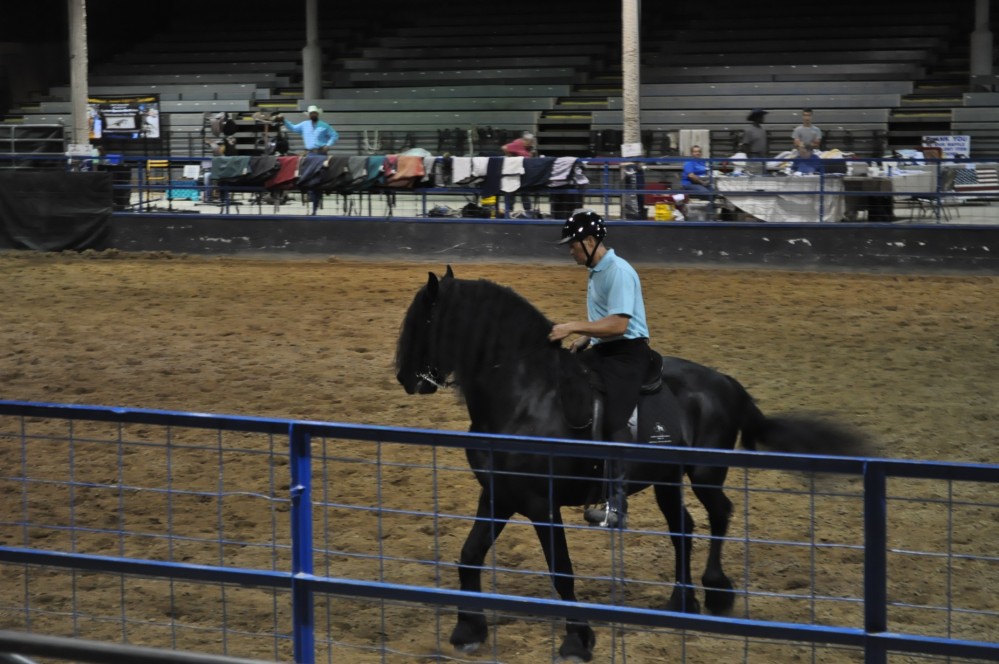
(420, 368)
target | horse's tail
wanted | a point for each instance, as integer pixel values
(798, 434)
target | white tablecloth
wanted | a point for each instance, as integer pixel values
(780, 204)
(915, 181)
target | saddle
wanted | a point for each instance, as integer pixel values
(581, 392)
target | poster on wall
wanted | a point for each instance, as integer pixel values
(124, 117)
(952, 147)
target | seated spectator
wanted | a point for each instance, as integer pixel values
(807, 161)
(696, 176)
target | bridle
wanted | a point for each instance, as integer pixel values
(431, 375)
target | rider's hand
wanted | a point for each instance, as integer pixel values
(560, 332)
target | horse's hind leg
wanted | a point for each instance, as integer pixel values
(669, 497)
(707, 484)
(490, 519)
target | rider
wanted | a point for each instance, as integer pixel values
(618, 338)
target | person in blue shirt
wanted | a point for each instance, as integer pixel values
(615, 337)
(695, 172)
(318, 136)
(807, 162)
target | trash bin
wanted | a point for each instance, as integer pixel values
(121, 182)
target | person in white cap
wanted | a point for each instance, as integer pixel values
(319, 136)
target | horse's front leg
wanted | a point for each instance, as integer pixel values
(669, 497)
(579, 637)
(490, 519)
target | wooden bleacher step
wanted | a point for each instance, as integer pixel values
(906, 126)
(560, 116)
(581, 103)
(600, 91)
(565, 130)
(929, 108)
(277, 105)
(953, 88)
(926, 101)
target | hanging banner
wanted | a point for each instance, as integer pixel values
(952, 147)
(124, 116)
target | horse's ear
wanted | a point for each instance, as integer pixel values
(449, 274)
(433, 285)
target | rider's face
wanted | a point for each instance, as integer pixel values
(578, 251)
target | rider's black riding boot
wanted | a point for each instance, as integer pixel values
(614, 514)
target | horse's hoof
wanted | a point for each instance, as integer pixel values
(681, 602)
(467, 648)
(719, 602)
(469, 633)
(719, 594)
(577, 646)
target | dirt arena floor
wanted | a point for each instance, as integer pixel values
(910, 360)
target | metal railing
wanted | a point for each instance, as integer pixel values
(850, 190)
(304, 502)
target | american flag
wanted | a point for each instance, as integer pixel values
(976, 181)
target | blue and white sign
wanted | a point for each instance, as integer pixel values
(953, 147)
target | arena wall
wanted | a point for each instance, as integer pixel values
(792, 245)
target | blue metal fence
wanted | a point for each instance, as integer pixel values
(927, 191)
(130, 474)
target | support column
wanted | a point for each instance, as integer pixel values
(630, 65)
(981, 46)
(78, 70)
(312, 55)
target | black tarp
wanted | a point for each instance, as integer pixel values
(54, 210)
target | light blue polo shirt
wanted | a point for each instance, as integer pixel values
(614, 288)
(319, 135)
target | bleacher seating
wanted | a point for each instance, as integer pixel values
(867, 70)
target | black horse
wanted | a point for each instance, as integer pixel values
(495, 345)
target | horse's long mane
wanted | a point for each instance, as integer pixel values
(482, 324)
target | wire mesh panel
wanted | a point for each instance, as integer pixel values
(943, 585)
(252, 538)
(159, 493)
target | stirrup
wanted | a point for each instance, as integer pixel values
(605, 517)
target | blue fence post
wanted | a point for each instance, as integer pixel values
(875, 560)
(303, 616)
(822, 195)
(940, 193)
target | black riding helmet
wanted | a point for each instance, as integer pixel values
(581, 224)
